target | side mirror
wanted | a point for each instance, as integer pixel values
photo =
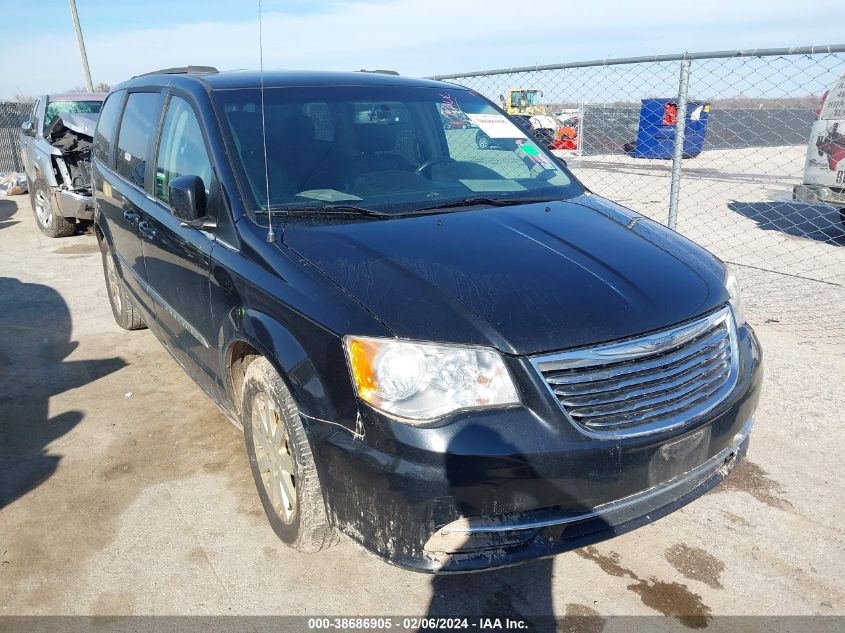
(27, 129)
(187, 198)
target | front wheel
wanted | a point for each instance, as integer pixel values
(281, 461)
(482, 140)
(50, 221)
(842, 216)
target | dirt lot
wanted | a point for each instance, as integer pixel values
(124, 491)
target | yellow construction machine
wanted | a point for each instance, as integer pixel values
(522, 101)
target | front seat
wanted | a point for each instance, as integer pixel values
(307, 162)
(250, 142)
(374, 140)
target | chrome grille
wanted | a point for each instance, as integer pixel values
(646, 384)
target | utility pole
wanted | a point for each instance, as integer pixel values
(81, 42)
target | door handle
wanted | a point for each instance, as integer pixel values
(146, 230)
(129, 216)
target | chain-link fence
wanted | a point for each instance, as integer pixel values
(12, 114)
(712, 145)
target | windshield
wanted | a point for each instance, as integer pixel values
(522, 98)
(71, 107)
(387, 149)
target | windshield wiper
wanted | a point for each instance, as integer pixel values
(471, 202)
(327, 209)
(351, 209)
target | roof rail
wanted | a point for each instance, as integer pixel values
(380, 72)
(182, 70)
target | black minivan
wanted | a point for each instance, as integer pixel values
(460, 359)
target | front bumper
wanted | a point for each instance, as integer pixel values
(72, 204)
(530, 535)
(493, 488)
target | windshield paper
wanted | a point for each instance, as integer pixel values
(496, 125)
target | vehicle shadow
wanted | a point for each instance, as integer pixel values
(36, 328)
(521, 593)
(8, 208)
(818, 222)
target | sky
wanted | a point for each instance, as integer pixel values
(414, 37)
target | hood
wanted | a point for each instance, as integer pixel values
(522, 279)
(80, 123)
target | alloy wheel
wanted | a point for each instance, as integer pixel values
(273, 456)
(42, 208)
(113, 281)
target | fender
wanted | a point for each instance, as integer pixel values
(264, 300)
(327, 405)
(325, 396)
(42, 163)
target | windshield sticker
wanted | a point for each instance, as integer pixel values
(491, 185)
(496, 125)
(531, 156)
(451, 112)
(327, 195)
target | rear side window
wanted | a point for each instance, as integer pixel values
(138, 125)
(106, 126)
(181, 149)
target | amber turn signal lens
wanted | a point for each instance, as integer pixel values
(361, 356)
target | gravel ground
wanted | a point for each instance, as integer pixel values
(127, 492)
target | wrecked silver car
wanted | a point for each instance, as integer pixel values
(56, 150)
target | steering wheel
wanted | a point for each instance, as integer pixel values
(433, 161)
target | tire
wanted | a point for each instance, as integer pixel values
(125, 313)
(842, 217)
(49, 220)
(302, 524)
(482, 141)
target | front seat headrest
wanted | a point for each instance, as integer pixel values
(296, 129)
(374, 138)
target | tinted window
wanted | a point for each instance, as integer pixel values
(106, 125)
(138, 124)
(181, 150)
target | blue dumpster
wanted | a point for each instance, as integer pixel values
(656, 134)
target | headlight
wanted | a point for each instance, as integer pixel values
(732, 286)
(421, 381)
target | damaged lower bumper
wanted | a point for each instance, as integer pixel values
(74, 204)
(476, 543)
(495, 488)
